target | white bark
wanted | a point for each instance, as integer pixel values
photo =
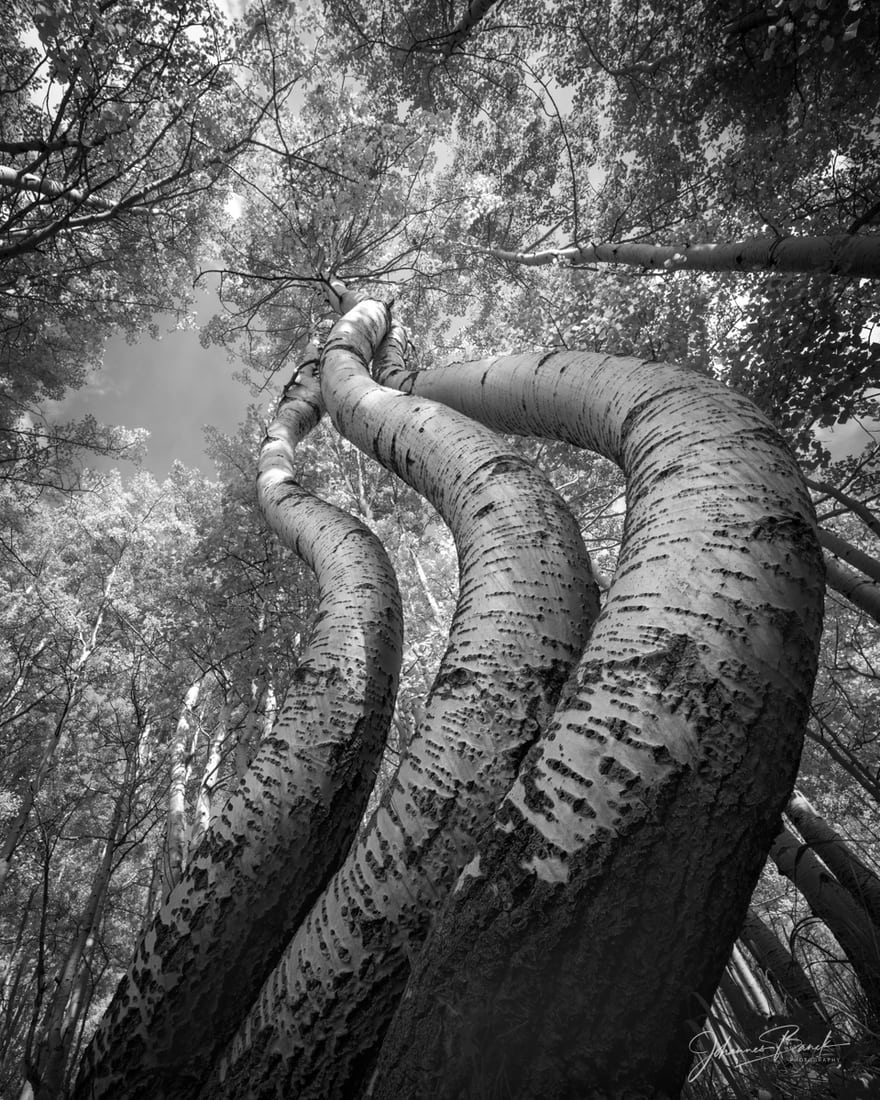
(525, 604)
(280, 836)
(862, 883)
(846, 254)
(636, 830)
(858, 589)
(176, 830)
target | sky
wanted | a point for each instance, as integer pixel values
(172, 386)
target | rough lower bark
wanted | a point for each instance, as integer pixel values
(593, 924)
(836, 854)
(524, 609)
(846, 254)
(829, 901)
(279, 838)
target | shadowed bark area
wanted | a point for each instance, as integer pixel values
(260, 866)
(639, 823)
(526, 603)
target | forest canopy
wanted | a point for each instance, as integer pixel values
(511, 729)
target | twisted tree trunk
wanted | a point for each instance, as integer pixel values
(279, 838)
(525, 606)
(637, 827)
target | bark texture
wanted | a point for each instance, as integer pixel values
(525, 605)
(638, 825)
(280, 837)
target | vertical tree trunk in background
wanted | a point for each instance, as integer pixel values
(747, 981)
(58, 731)
(833, 850)
(282, 834)
(749, 1023)
(828, 900)
(213, 758)
(525, 605)
(669, 760)
(59, 1021)
(786, 974)
(181, 757)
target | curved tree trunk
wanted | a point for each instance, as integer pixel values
(835, 853)
(829, 901)
(637, 827)
(279, 838)
(525, 606)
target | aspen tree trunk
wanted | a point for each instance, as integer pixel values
(858, 589)
(213, 758)
(846, 254)
(181, 757)
(828, 900)
(525, 606)
(256, 724)
(748, 1022)
(844, 550)
(786, 974)
(747, 981)
(595, 920)
(58, 1027)
(57, 734)
(835, 853)
(278, 839)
